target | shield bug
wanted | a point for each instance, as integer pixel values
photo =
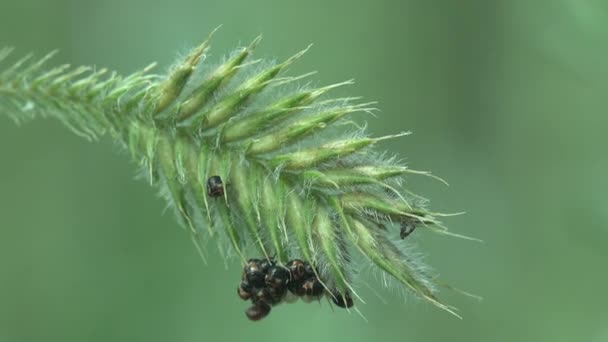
(265, 264)
(297, 288)
(407, 227)
(244, 290)
(309, 271)
(261, 295)
(313, 287)
(215, 186)
(253, 273)
(343, 301)
(297, 268)
(258, 311)
(277, 277)
(276, 294)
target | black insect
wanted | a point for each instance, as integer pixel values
(253, 273)
(265, 264)
(258, 311)
(343, 301)
(261, 295)
(313, 287)
(244, 290)
(276, 295)
(299, 274)
(215, 187)
(277, 277)
(407, 227)
(297, 268)
(309, 271)
(297, 288)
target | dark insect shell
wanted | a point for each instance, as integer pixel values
(266, 264)
(407, 227)
(244, 295)
(343, 301)
(276, 295)
(277, 277)
(215, 186)
(261, 295)
(253, 273)
(296, 287)
(297, 268)
(258, 311)
(244, 290)
(309, 271)
(313, 287)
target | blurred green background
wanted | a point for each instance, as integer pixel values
(507, 100)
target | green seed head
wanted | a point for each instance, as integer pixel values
(285, 188)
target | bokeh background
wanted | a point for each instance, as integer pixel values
(507, 99)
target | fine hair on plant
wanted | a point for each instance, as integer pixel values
(271, 169)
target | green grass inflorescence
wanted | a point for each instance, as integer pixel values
(293, 188)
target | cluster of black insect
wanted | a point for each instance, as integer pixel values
(267, 283)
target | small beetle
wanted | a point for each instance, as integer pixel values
(215, 187)
(276, 295)
(244, 290)
(258, 311)
(277, 277)
(261, 295)
(253, 273)
(407, 227)
(297, 288)
(345, 301)
(313, 287)
(265, 264)
(310, 271)
(297, 268)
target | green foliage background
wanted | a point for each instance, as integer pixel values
(507, 100)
